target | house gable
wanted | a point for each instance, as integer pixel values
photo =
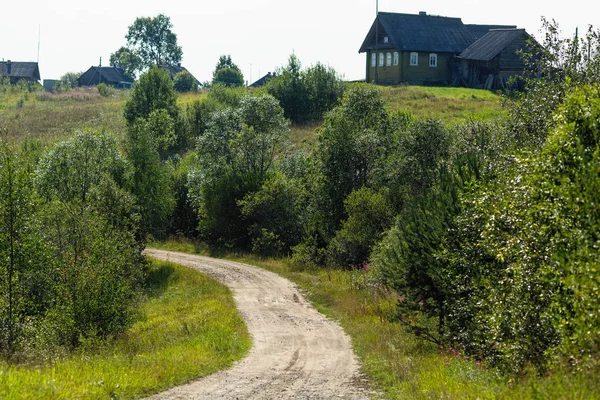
(108, 75)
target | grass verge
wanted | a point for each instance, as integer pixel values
(397, 363)
(187, 327)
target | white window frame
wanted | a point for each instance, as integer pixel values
(396, 58)
(433, 60)
(388, 59)
(414, 59)
(373, 59)
(386, 39)
(381, 59)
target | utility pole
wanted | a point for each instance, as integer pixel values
(376, 39)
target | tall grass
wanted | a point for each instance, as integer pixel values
(186, 328)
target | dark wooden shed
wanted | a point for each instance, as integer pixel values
(494, 58)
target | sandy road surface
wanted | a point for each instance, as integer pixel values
(297, 353)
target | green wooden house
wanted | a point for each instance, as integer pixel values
(418, 49)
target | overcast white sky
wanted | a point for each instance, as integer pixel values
(259, 34)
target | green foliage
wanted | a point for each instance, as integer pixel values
(535, 236)
(69, 80)
(227, 73)
(306, 95)
(226, 96)
(152, 40)
(553, 69)
(24, 267)
(126, 59)
(276, 214)
(354, 139)
(72, 261)
(235, 155)
(198, 115)
(154, 99)
(184, 218)
(149, 182)
(154, 90)
(106, 90)
(369, 215)
(185, 82)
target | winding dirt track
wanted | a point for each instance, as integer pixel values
(297, 353)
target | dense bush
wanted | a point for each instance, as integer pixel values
(70, 261)
(235, 156)
(306, 95)
(185, 82)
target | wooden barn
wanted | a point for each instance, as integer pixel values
(494, 58)
(17, 70)
(113, 76)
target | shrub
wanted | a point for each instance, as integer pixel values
(185, 82)
(106, 90)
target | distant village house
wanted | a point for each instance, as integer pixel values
(113, 76)
(426, 49)
(18, 70)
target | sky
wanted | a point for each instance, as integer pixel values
(259, 35)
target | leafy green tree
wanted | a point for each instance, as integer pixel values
(24, 267)
(154, 98)
(153, 41)
(149, 182)
(91, 227)
(185, 82)
(126, 59)
(235, 155)
(227, 73)
(369, 215)
(276, 213)
(355, 137)
(290, 90)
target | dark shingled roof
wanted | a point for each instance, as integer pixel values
(491, 44)
(96, 75)
(422, 32)
(478, 31)
(20, 70)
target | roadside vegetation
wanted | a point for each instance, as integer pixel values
(186, 327)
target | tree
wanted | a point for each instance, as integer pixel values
(225, 62)
(227, 72)
(152, 40)
(185, 82)
(235, 155)
(154, 91)
(24, 265)
(126, 59)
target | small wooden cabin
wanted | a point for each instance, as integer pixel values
(113, 76)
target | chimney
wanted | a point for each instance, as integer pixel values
(423, 13)
(8, 67)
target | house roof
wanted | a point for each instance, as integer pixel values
(173, 70)
(94, 75)
(491, 44)
(19, 69)
(420, 32)
(262, 81)
(478, 31)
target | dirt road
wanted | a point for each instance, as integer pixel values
(297, 353)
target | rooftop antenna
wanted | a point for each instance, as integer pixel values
(39, 36)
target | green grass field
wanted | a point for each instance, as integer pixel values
(187, 327)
